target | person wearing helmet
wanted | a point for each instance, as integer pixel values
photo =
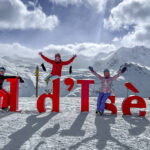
(5, 103)
(105, 90)
(57, 65)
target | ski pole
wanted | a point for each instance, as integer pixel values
(37, 79)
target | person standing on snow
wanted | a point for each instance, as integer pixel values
(105, 91)
(57, 65)
(5, 103)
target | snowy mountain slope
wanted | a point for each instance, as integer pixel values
(114, 60)
(137, 74)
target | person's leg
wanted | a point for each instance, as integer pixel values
(47, 80)
(105, 97)
(99, 101)
(50, 83)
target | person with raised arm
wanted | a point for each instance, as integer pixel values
(57, 65)
(106, 85)
(2, 78)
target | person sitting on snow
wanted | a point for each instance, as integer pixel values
(56, 69)
(5, 103)
(105, 91)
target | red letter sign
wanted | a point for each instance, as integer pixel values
(111, 106)
(69, 81)
(127, 104)
(54, 97)
(85, 93)
(12, 98)
(14, 92)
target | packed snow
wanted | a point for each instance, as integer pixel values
(72, 129)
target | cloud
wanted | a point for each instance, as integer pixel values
(135, 14)
(16, 49)
(85, 49)
(128, 13)
(14, 15)
(98, 4)
(140, 36)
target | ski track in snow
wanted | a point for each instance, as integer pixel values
(71, 129)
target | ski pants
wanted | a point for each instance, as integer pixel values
(49, 81)
(101, 101)
(4, 98)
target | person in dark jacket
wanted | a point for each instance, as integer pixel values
(4, 103)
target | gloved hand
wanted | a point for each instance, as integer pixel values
(40, 53)
(43, 66)
(91, 69)
(75, 55)
(21, 80)
(123, 69)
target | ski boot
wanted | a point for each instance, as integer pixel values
(47, 91)
(5, 109)
(99, 113)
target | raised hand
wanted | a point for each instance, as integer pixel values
(21, 80)
(75, 55)
(40, 53)
(91, 69)
(123, 69)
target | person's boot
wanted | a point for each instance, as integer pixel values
(100, 113)
(48, 91)
(5, 108)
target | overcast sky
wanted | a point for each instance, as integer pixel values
(102, 25)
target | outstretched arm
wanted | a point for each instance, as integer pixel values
(46, 59)
(95, 73)
(120, 73)
(20, 79)
(69, 61)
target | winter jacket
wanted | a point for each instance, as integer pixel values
(106, 83)
(57, 66)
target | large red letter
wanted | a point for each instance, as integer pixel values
(69, 81)
(127, 104)
(54, 97)
(14, 92)
(111, 106)
(85, 93)
(131, 87)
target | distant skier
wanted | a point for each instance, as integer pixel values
(56, 69)
(105, 91)
(5, 104)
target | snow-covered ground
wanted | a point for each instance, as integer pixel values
(71, 129)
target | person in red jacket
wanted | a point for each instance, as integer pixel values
(56, 69)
